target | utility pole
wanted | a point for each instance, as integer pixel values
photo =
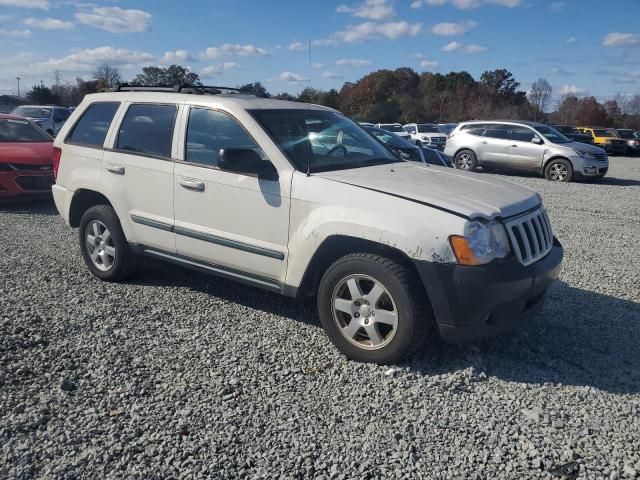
(18, 78)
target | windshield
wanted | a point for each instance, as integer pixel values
(322, 139)
(553, 135)
(389, 138)
(33, 112)
(15, 130)
(626, 134)
(392, 127)
(447, 128)
(426, 128)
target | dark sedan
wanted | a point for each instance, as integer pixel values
(407, 150)
(573, 133)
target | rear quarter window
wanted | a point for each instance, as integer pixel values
(92, 127)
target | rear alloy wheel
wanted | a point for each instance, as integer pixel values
(559, 170)
(104, 246)
(466, 160)
(372, 308)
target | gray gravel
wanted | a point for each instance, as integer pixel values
(180, 375)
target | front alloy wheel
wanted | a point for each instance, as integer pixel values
(364, 312)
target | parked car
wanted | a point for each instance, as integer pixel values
(434, 156)
(49, 118)
(403, 148)
(243, 188)
(524, 146)
(605, 139)
(426, 134)
(26, 159)
(393, 127)
(573, 133)
(632, 139)
(447, 128)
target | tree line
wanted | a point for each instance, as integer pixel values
(400, 95)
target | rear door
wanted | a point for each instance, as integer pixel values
(138, 173)
(236, 222)
(494, 146)
(523, 153)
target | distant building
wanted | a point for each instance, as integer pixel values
(9, 102)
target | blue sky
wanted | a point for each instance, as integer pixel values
(580, 46)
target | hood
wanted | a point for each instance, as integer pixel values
(464, 193)
(24, 153)
(585, 147)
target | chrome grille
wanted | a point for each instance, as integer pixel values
(531, 236)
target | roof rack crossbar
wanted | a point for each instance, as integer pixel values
(205, 89)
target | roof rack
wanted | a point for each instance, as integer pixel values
(193, 89)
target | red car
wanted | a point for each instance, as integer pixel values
(26, 158)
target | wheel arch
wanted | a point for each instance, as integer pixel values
(84, 199)
(336, 246)
(555, 157)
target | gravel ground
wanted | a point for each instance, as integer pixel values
(180, 375)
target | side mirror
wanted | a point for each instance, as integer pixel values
(536, 140)
(246, 162)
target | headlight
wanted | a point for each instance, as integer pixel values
(482, 242)
(583, 154)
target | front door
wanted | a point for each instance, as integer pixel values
(234, 221)
(494, 146)
(524, 153)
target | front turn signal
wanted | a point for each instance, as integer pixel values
(463, 251)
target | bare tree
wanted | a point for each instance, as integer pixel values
(107, 76)
(539, 96)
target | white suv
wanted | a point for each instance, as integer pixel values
(300, 200)
(427, 134)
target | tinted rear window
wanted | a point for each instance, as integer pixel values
(94, 124)
(147, 129)
(14, 130)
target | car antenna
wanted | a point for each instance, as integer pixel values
(309, 118)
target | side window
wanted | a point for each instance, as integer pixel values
(147, 129)
(497, 131)
(474, 129)
(93, 125)
(522, 134)
(209, 131)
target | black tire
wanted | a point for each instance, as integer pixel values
(402, 289)
(554, 167)
(125, 261)
(466, 160)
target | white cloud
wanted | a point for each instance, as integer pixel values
(116, 19)
(226, 66)
(451, 29)
(293, 77)
(369, 30)
(211, 70)
(42, 4)
(371, 9)
(562, 71)
(571, 40)
(353, 62)
(88, 59)
(331, 75)
(48, 23)
(617, 39)
(15, 33)
(558, 6)
(570, 90)
(428, 64)
(317, 65)
(624, 80)
(459, 47)
(466, 4)
(297, 46)
(233, 49)
(177, 56)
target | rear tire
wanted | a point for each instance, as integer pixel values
(104, 246)
(466, 160)
(559, 170)
(354, 289)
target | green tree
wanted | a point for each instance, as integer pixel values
(40, 94)
(166, 77)
(256, 89)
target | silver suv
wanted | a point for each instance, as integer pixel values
(48, 117)
(526, 147)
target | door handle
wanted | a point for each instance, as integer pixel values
(118, 169)
(484, 142)
(192, 184)
(514, 145)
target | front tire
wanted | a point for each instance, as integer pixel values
(372, 309)
(466, 160)
(559, 170)
(104, 246)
